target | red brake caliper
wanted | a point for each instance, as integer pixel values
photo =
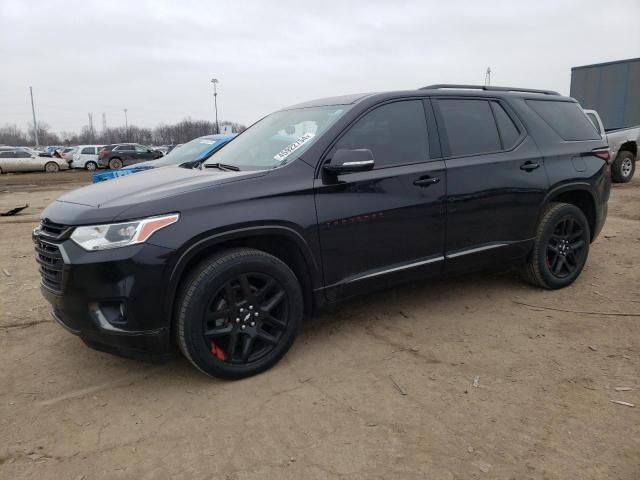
(218, 352)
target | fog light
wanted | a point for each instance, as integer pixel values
(109, 315)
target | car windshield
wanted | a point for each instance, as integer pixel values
(278, 138)
(188, 152)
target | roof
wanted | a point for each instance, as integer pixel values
(615, 62)
(439, 89)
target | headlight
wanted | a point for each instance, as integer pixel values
(114, 235)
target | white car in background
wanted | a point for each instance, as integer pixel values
(86, 156)
(20, 159)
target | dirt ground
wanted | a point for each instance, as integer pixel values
(383, 387)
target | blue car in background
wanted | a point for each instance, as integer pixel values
(188, 155)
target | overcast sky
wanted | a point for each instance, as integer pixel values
(156, 57)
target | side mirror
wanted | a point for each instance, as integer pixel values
(347, 161)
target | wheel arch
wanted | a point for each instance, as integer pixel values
(629, 146)
(578, 194)
(282, 242)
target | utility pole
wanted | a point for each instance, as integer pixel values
(35, 124)
(487, 77)
(91, 127)
(104, 128)
(215, 101)
(126, 125)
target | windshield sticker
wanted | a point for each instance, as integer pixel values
(208, 142)
(285, 152)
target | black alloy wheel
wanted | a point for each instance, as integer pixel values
(238, 313)
(560, 249)
(246, 318)
(566, 247)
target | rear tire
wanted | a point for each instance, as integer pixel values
(115, 164)
(51, 167)
(560, 249)
(91, 166)
(238, 313)
(623, 167)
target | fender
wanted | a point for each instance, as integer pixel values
(211, 240)
(567, 187)
(570, 187)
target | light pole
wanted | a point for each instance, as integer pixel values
(126, 125)
(215, 101)
(35, 124)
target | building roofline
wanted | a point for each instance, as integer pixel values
(615, 62)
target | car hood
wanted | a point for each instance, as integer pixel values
(152, 185)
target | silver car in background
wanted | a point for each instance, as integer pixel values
(67, 153)
(21, 159)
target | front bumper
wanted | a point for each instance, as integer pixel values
(111, 299)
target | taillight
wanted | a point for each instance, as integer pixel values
(602, 153)
(102, 152)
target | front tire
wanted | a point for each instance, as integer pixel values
(51, 167)
(623, 167)
(238, 313)
(561, 247)
(115, 164)
(91, 166)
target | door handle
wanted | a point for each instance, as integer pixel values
(426, 181)
(529, 166)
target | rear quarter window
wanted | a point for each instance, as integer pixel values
(509, 133)
(565, 118)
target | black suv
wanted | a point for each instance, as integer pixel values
(123, 154)
(319, 202)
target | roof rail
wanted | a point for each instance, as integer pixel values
(489, 88)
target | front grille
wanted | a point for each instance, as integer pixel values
(51, 264)
(48, 254)
(53, 230)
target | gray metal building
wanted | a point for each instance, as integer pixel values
(611, 88)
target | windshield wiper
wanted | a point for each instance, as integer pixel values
(222, 166)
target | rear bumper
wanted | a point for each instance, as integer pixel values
(601, 217)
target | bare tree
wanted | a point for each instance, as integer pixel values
(180, 132)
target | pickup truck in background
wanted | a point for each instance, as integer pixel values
(623, 147)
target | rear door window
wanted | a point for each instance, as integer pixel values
(88, 151)
(396, 134)
(470, 126)
(567, 119)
